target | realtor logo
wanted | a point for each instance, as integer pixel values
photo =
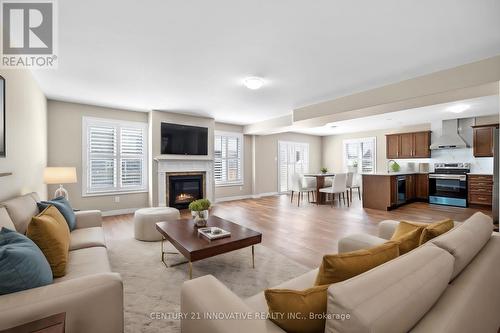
(29, 34)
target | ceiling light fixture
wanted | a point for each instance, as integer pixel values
(253, 82)
(459, 108)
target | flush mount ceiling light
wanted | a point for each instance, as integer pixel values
(459, 108)
(253, 82)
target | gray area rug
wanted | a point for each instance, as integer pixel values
(150, 287)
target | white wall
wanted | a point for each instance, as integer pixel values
(26, 131)
(333, 146)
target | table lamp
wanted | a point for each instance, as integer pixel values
(60, 176)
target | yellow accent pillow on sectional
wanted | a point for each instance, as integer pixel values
(436, 229)
(343, 266)
(408, 236)
(50, 233)
(431, 230)
(298, 311)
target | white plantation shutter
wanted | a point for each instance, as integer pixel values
(360, 152)
(219, 174)
(228, 158)
(132, 154)
(367, 156)
(283, 167)
(293, 158)
(132, 141)
(102, 148)
(115, 155)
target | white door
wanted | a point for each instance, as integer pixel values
(293, 157)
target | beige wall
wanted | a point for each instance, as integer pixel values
(333, 149)
(26, 131)
(157, 117)
(155, 120)
(65, 149)
(239, 190)
(493, 119)
(266, 158)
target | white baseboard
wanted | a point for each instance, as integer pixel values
(233, 198)
(267, 194)
(119, 211)
(248, 196)
(236, 197)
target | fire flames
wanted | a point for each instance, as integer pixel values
(184, 197)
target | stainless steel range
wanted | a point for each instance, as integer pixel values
(448, 184)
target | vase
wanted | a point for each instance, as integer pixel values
(200, 218)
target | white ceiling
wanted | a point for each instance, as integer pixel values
(483, 106)
(191, 56)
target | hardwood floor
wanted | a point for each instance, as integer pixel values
(305, 233)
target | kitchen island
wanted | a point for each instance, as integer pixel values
(389, 190)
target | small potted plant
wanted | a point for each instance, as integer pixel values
(323, 170)
(199, 210)
(353, 166)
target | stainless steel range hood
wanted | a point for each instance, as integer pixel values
(449, 139)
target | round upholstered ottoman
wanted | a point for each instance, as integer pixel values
(145, 220)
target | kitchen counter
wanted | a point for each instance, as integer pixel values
(480, 174)
(399, 173)
(381, 190)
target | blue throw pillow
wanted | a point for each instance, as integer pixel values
(64, 208)
(22, 264)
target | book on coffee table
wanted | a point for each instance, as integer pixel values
(214, 233)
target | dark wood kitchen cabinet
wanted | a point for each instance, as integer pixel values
(410, 187)
(380, 191)
(392, 146)
(421, 144)
(422, 187)
(480, 189)
(483, 140)
(408, 145)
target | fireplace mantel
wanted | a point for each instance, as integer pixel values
(166, 165)
(182, 158)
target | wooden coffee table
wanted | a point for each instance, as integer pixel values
(185, 238)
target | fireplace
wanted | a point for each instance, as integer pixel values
(182, 188)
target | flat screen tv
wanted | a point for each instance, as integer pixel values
(183, 140)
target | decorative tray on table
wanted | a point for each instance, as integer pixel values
(213, 233)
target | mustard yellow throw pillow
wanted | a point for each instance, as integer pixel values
(298, 311)
(50, 233)
(430, 231)
(343, 266)
(435, 229)
(408, 236)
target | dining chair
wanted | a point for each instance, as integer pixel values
(301, 185)
(350, 185)
(328, 181)
(339, 186)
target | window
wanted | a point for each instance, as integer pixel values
(114, 156)
(228, 158)
(293, 158)
(360, 155)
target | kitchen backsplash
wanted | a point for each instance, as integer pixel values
(478, 165)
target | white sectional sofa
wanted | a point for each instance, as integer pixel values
(449, 284)
(90, 294)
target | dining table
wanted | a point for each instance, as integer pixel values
(320, 183)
